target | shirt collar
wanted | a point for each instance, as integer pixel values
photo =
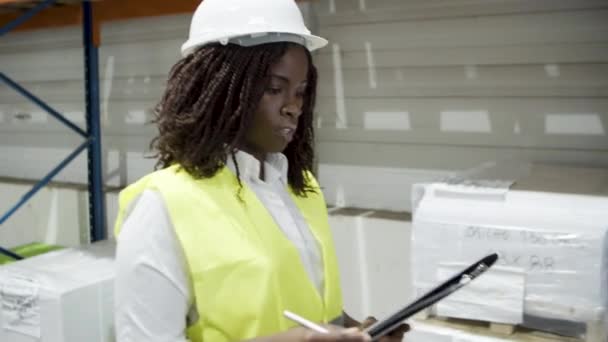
(276, 166)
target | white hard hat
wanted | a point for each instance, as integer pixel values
(249, 22)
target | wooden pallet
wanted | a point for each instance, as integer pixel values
(509, 332)
(502, 331)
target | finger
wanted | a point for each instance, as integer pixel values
(369, 321)
(400, 330)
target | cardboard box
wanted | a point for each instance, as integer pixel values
(61, 296)
(548, 222)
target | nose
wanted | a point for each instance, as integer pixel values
(293, 110)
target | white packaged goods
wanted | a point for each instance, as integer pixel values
(61, 296)
(549, 224)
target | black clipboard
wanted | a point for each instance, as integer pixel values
(446, 288)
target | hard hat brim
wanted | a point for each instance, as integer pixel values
(312, 42)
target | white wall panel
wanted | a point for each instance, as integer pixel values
(52, 65)
(135, 31)
(52, 216)
(119, 87)
(513, 121)
(42, 40)
(401, 65)
(404, 56)
(388, 188)
(135, 58)
(462, 81)
(445, 157)
(36, 162)
(478, 81)
(536, 28)
(341, 12)
(55, 215)
(424, 111)
(127, 58)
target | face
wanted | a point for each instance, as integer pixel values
(276, 118)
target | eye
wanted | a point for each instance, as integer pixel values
(301, 92)
(273, 90)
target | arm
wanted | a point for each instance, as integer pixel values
(151, 287)
(337, 334)
(290, 335)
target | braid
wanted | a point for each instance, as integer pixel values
(208, 106)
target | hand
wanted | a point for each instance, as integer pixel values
(394, 336)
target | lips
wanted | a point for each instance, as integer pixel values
(287, 133)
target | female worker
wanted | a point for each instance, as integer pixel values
(232, 229)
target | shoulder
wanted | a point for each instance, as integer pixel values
(147, 216)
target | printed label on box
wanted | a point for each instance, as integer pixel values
(19, 300)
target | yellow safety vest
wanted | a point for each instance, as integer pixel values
(243, 269)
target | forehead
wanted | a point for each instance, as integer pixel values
(292, 65)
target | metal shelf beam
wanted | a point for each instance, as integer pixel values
(97, 215)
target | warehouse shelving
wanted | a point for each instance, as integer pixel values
(92, 135)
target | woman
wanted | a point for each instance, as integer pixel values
(232, 229)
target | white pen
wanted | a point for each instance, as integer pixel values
(305, 323)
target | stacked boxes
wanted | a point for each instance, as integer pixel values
(549, 226)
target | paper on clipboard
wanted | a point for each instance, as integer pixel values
(498, 296)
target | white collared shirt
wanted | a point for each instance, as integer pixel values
(153, 298)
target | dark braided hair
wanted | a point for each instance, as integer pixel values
(209, 103)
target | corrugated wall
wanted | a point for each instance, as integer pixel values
(417, 89)
(409, 91)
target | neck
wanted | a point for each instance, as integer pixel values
(255, 152)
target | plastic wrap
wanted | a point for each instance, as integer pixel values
(65, 295)
(557, 240)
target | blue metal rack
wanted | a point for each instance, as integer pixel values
(92, 135)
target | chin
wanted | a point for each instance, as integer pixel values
(278, 148)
